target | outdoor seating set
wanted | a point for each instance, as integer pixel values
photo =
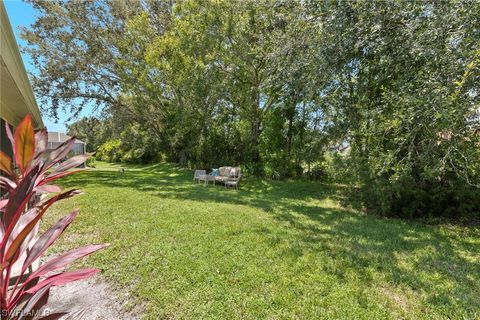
(229, 176)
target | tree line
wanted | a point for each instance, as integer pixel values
(279, 87)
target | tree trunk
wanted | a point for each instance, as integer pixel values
(290, 135)
(255, 141)
(256, 128)
(183, 157)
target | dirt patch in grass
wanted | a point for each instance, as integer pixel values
(399, 300)
(89, 299)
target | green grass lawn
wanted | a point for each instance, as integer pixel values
(272, 250)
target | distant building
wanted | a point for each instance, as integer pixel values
(474, 120)
(57, 138)
(342, 148)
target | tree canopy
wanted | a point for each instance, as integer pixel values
(278, 86)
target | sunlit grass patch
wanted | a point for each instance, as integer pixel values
(269, 250)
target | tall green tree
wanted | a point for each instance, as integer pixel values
(274, 84)
(74, 46)
(89, 130)
(399, 98)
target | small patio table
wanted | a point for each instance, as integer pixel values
(207, 178)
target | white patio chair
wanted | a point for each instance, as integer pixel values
(233, 179)
(199, 174)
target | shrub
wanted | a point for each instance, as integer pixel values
(416, 195)
(337, 167)
(22, 297)
(91, 163)
(110, 151)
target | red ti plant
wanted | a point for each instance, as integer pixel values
(24, 290)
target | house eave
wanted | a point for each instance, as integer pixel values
(17, 98)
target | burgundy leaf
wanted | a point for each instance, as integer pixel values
(48, 188)
(15, 227)
(65, 259)
(64, 278)
(64, 195)
(19, 197)
(59, 153)
(73, 162)
(2, 230)
(24, 233)
(30, 219)
(41, 141)
(9, 134)
(20, 297)
(28, 240)
(47, 239)
(21, 223)
(58, 175)
(7, 183)
(39, 299)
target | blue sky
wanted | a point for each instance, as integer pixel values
(23, 14)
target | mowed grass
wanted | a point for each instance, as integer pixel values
(272, 250)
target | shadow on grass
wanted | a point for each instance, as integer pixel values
(406, 254)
